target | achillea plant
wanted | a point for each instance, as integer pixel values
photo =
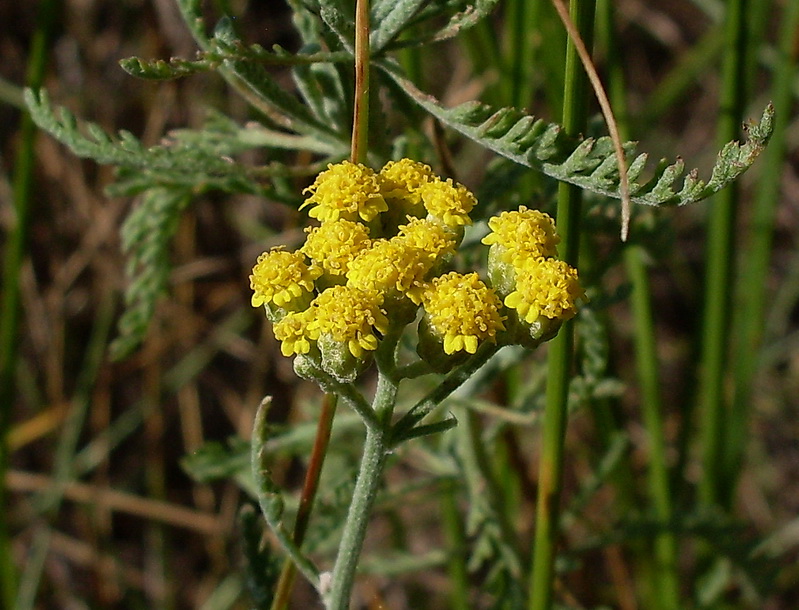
(402, 273)
(344, 298)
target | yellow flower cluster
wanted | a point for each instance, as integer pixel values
(523, 269)
(381, 251)
(523, 234)
(363, 258)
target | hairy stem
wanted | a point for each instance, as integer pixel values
(375, 450)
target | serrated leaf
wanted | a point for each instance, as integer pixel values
(146, 235)
(162, 70)
(512, 134)
(323, 92)
(343, 26)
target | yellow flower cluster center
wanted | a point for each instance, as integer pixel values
(548, 288)
(350, 316)
(346, 190)
(523, 234)
(335, 244)
(462, 310)
(280, 277)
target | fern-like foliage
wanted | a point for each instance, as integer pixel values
(146, 236)
(198, 160)
(590, 163)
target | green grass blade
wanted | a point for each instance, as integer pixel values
(718, 271)
(12, 261)
(751, 302)
(550, 474)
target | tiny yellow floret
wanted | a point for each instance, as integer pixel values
(522, 235)
(388, 265)
(429, 236)
(280, 277)
(462, 311)
(348, 316)
(335, 244)
(448, 201)
(292, 332)
(548, 288)
(345, 190)
(403, 181)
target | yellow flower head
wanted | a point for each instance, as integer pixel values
(429, 236)
(280, 277)
(462, 311)
(335, 244)
(402, 181)
(546, 287)
(388, 265)
(350, 316)
(292, 332)
(523, 234)
(345, 190)
(448, 201)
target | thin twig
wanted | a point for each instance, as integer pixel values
(310, 486)
(607, 112)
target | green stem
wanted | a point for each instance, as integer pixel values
(519, 53)
(718, 273)
(666, 588)
(375, 450)
(750, 308)
(287, 575)
(449, 384)
(550, 473)
(360, 123)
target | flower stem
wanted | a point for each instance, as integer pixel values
(288, 573)
(560, 352)
(360, 123)
(375, 450)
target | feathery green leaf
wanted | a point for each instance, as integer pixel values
(589, 163)
(146, 235)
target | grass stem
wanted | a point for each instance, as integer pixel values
(749, 316)
(550, 475)
(13, 254)
(719, 264)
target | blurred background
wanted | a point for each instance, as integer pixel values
(100, 513)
